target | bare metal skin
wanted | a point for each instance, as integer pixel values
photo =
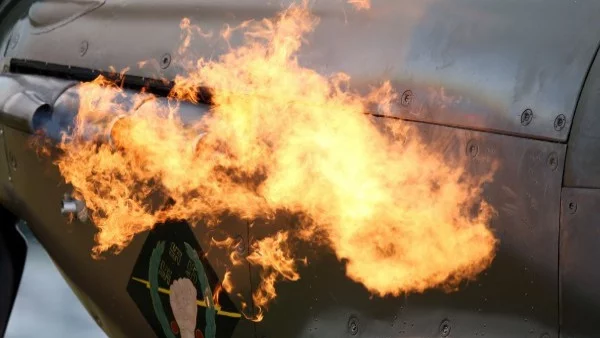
(522, 79)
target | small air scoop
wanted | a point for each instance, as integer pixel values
(21, 109)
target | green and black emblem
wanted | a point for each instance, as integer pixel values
(172, 284)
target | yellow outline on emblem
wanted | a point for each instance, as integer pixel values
(198, 302)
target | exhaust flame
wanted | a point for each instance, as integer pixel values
(360, 4)
(275, 258)
(230, 243)
(280, 137)
(226, 285)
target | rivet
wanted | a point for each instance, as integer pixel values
(165, 61)
(560, 122)
(572, 207)
(544, 335)
(553, 161)
(406, 98)
(1, 131)
(353, 326)
(526, 117)
(472, 148)
(83, 48)
(445, 328)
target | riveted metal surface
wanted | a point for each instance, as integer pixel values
(471, 63)
(35, 194)
(583, 158)
(516, 297)
(475, 64)
(579, 252)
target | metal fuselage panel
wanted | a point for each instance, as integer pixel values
(582, 168)
(469, 63)
(476, 65)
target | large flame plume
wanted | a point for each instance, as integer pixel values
(280, 136)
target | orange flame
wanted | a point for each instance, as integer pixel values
(187, 33)
(281, 137)
(275, 258)
(360, 4)
(230, 243)
(225, 285)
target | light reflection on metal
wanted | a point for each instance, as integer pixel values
(73, 206)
